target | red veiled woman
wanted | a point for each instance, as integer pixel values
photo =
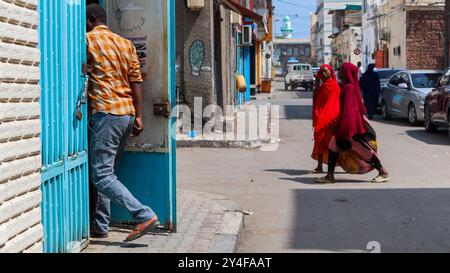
(354, 144)
(325, 114)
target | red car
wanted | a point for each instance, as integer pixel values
(437, 105)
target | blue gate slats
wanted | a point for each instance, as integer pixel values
(65, 206)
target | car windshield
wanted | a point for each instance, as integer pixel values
(386, 74)
(425, 80)
(301, 68)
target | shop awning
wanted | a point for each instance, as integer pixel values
(236, 7)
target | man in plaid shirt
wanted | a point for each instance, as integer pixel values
(115, 107)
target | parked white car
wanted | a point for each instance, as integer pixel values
(299, 75)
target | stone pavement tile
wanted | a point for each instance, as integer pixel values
(208, 230)
(172, 244)
(186, 243)
(199, 223)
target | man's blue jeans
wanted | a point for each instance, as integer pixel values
(108, 136)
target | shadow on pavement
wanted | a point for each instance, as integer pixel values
(312, 180)
(292, 112)
(401, 122)
(293, 172)
(439, 138)
(119, 244)
(400, 220)
(289, 172)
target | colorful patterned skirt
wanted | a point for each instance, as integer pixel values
(356, 155)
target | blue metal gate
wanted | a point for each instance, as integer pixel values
(65, 205)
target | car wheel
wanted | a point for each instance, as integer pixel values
(412, 114)
(293, 87)
(385, 111)
(429, 126)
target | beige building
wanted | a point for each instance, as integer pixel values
(412, 34)
(346, 40)
(346, 47)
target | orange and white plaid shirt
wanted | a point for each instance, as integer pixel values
(115, 65)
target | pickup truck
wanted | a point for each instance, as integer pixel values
(299, 75)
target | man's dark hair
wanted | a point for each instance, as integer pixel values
(359, 64)
(95, 13)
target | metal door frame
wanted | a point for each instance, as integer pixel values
(167, 159)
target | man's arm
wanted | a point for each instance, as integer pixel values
(135, 79)
(138, 127)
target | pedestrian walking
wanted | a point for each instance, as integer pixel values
(115, 108)
(371, 89)
(361, 70)
(326, 107)
(354, 144)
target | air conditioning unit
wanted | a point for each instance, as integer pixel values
(247, 35)
(236, 18)
(385, 35)
(195, 5)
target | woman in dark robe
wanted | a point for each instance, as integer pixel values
(326, 109)
(354, 144)
(370, 85)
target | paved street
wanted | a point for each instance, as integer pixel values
(293, 214)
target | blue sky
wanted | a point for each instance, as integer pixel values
(299, 11)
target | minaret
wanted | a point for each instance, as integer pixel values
(287, 29)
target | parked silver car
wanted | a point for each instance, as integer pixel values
(385, 74)
(404, 94)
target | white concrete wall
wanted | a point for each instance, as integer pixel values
(20, 127)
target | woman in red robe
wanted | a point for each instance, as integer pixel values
(325, 114)
(354, 145)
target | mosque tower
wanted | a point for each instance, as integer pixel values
(287, 29)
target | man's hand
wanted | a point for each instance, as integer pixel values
(138, 127)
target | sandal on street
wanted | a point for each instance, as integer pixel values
(141, 229)
(381, 179)
(315, 171)
(325, 180)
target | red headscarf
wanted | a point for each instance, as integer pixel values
(326, 110)
(322, 69)
(352, 107)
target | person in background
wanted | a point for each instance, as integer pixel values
(371, 89)
(115, 108)
(353, 136)
(325, 113)
(361, 70)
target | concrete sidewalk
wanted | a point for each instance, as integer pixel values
(230, 139)
(207, 223)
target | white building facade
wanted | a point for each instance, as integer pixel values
(324, 29)
(370, 31)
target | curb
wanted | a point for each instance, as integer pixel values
(222, 144)
(230, 234)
